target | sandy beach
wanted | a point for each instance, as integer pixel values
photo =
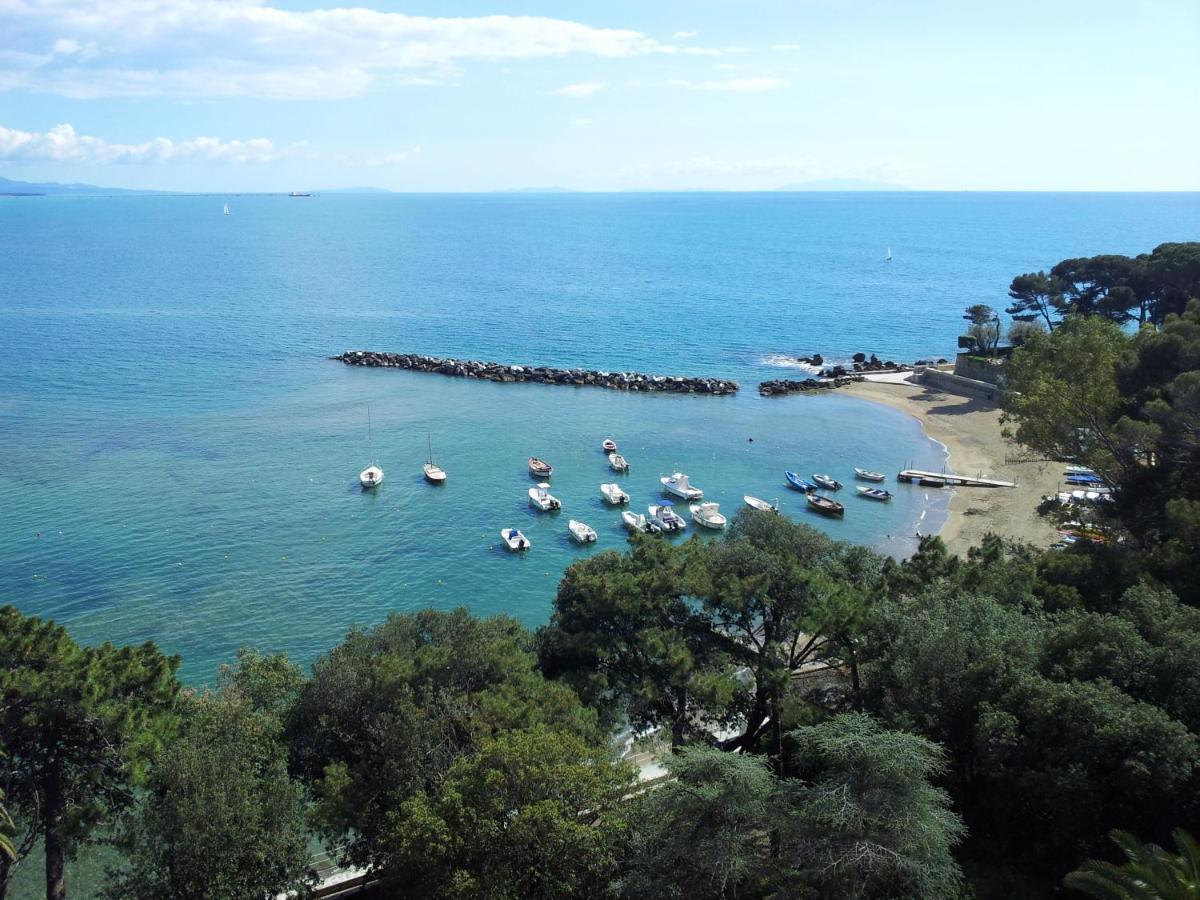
(970, 429)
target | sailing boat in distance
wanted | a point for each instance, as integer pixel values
(227, 212)
(372, 475)
(433, 473)
(888, 258)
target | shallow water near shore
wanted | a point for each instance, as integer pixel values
(179, 458)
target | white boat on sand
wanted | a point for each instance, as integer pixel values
(868, 475)
(514, 540)
(618, 462)
(755, 503)
(613, 494)
(582, 532)
(542, 498)
(636, 522)
(708, 514)
(664, 514)
(679, 485)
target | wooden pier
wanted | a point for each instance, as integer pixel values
(949, 480)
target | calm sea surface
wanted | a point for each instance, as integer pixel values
(179, 460)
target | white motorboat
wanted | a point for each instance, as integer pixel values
(582, 532)
(666, 517)
(541, 497)
(433, 472)
(755, 503)
(679, 486)
(828, 482)
(609, 445)
(875, 493)
(514, 540)
(868, 475)
(618, 462)
(636, 523)
(613, 494)
(708, 514)
(539, 468)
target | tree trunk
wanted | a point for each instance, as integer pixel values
(56, 853)
(852, 661)
(679, 720)
(6, 867)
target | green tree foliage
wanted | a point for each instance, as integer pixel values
(984, 328)
(1150, 872)
(725, 628)
(79, 725)
(629, 639)
(1145, 289)
(388, 711)
(220, 817)
(532, 815)
(705, 832)
(1037, 297)
(863, 817)
(1058, 724)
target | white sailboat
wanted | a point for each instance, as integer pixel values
(227, 212)
(888, 258)
(433, 472)
(372, 475)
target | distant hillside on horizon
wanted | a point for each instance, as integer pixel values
(48, 188)
(842, 184)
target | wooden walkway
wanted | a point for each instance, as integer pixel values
(953, 480)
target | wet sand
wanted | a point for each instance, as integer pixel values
(970, 429)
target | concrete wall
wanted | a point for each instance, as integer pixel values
(979, 369)
(957, 384)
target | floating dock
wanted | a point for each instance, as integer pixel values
(949, 480)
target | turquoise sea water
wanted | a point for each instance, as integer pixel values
(178, 458)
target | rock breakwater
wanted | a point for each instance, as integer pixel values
(792, 386)
(505, 374)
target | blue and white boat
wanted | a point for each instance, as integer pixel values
(664, 514)
(799, 483)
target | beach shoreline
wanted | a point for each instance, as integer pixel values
(969, 428)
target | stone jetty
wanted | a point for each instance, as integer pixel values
(791, 386)
(500, 372)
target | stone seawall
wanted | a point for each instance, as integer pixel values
(499, 372)
(789, 386)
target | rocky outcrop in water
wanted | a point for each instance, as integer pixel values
(500, 372)
(789, 386)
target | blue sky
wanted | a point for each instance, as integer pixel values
(279, 94)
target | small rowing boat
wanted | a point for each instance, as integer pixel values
(828, 482)
(799, 483)
(868, 475)
(609, 445)
(826, 505)
(618, 462)
(875, 493)
(755, 503)
(539, 468)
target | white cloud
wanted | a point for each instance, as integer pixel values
(581, 122)
(92, 48)
(684, 35)
(583, 89)
(744, 85)
(62, 144)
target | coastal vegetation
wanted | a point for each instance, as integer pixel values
(774, 714)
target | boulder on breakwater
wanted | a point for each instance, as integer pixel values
(500, 372)
(789, 386)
